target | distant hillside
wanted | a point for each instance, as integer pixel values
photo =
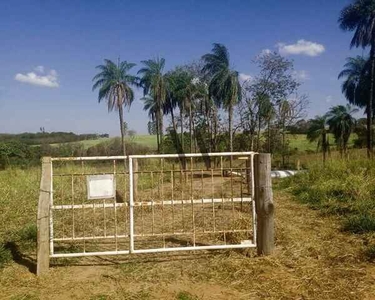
(49, 137)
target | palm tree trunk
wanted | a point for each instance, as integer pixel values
(161, 129)
(230, 117)
(369, 104)
(324, 145)
(121, 117)
(182, 126)
(258, 137)
(283, 143)
(173, 121)
(190, 129)
(157, 130)
(269, 136)
(194, 135)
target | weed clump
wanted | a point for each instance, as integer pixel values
(5, 256)
(370, 252)
(28, 233)
(185, 296)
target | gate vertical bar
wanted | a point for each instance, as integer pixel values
(50, 209)
(253, 198)
(131, 207)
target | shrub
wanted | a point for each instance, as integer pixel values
(5, 255)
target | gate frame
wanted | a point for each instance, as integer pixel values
(263, 197)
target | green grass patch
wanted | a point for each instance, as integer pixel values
(185, 296)
(28, 233)
(301, 142)
(25, 297)
(345, 188)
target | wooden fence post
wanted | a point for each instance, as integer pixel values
(264, 204)
(43, 217)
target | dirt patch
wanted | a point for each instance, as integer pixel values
(313, 260)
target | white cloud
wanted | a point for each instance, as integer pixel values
(39, 69)
(329, 99)
(265, 52)
(302, 75)
(301, 47)
(244, 77)
(48, 80)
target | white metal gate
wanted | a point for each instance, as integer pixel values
(152, 203)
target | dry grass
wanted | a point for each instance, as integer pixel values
(313, 260)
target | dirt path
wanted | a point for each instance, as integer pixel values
(313, 260)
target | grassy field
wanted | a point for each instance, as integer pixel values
(300, 142)
(145, 140)
(314, 258)
(296, 141)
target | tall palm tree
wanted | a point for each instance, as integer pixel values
(114, 83)
(154, 83)
(359, 17)
(341, 122)
(355, 78)
(171, 100)
(224, 85)
(176, 98)
(191, 90)
(150, 105)
(318, 132)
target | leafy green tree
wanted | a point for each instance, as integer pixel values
(154, 83)
(359, 16)
(265, 108)
(318, 132)
(341, 122)
(224, 85)
(114, 83)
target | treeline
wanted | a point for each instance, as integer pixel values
(16, 153)
(208, 100)
(42, 137)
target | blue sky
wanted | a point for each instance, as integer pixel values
(61, 42)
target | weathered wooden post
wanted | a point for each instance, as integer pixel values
(264, 204)
(135, 179)
(43, 217)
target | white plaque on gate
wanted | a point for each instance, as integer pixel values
(101, 186)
